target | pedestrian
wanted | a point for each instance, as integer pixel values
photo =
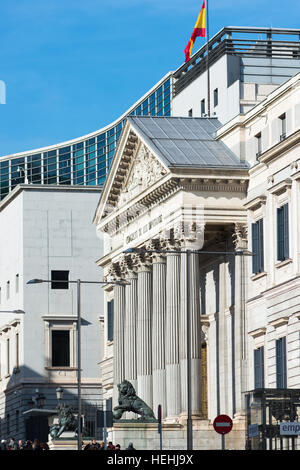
(3, 445)
(28, 445)
(44, 446)
(21, 444)
(130, 446)
(12, 445)
(110, 446)
(36, 445)
(102, 447)
(93, 445)
(118, 447)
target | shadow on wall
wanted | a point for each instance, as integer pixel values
(26, 390)
(222, 270)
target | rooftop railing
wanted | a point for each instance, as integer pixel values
(251, 42)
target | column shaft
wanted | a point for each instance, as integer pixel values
(119, 312)
(195, 331)
(172, 335)
(130, 330)
(144, 344)
(158, 336)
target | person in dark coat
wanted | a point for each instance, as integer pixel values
(130, 446)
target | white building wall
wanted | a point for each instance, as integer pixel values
(43, 229)
(224, 76)
(273, 295)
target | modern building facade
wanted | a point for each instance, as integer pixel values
(175, 184)
(47, 233)
(246, 64)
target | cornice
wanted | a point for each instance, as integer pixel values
(255, 203)
(281, 187)
(281, 147)
(163, 190)
(258, 332)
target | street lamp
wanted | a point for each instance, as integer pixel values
(78, 283)
(188, 325)
(40, 399)
(59, 393)
(19, 169)
(12, 311)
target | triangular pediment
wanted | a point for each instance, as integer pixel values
(144, 171)
(135, 169)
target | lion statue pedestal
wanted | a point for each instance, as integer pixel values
(141, 431)
(129, 401)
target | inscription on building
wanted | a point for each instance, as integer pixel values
(141, 231)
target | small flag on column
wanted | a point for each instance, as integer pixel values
(199, 30)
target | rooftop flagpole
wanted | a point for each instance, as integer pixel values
(207, 59)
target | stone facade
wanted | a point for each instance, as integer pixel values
(233, 310)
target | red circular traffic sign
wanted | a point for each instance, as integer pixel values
(222, 424)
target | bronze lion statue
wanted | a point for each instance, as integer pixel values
(129, 401)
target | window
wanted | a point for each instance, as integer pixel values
(110, 320)
(202, 107)
(7, 289)
(216, 97)
(60, 348)
(17, 420)
(281, 379)
(57, 277)
(190, 113)
(17, 350)
(258, 247)
(17, 283)
(258, 145)
(0, 295)
(259, 381)
(7, 356)
(283, 126)
(283, 232)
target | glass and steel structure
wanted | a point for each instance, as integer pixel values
(82, 161)
(264, 55)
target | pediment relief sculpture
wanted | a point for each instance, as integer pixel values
(144, 172)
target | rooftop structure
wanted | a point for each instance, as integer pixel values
(246, 64)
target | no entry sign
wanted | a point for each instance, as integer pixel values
(222, 424)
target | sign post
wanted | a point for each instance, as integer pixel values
(159, 426)
(222, 425)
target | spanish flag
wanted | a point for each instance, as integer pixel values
(199, 30)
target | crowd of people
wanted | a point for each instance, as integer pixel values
(94, 445)
(12, 444)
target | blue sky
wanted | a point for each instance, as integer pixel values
(73, 66)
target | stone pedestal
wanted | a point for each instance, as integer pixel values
(144, 436)
(62, 444)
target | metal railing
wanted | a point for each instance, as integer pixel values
(224, 42)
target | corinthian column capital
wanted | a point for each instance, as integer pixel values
(156, 245)
(240, 236)
(141, 261)
(190, 234)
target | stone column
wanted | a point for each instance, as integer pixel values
(119, 314)
(195, 328)
(240, 327)
(172, 333)
(159, 331)
(130, 337)
(144, 320)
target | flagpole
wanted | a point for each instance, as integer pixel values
(207, 60)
